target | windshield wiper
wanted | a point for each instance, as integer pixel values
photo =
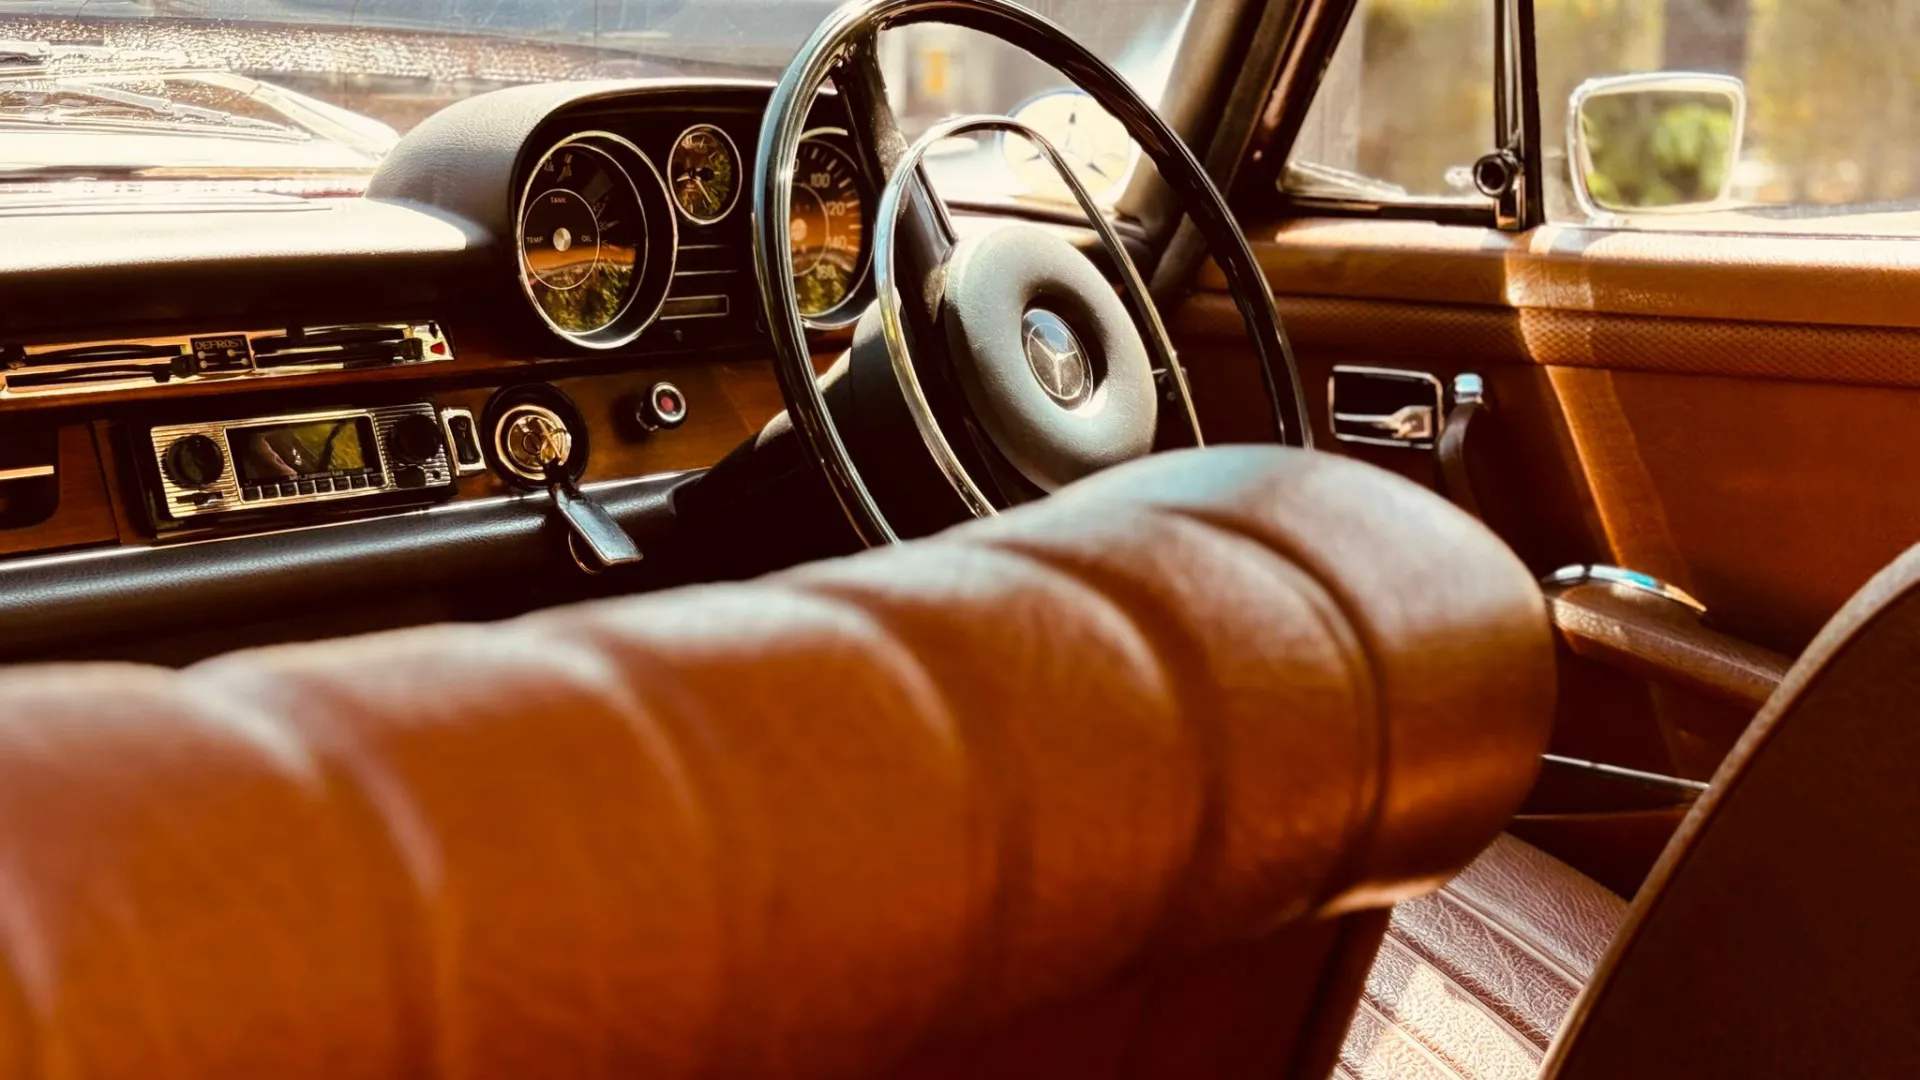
(59, 101)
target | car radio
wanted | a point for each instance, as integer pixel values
(271, 462)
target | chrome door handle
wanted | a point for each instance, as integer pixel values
(1413, 423)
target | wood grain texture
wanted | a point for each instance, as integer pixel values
(83, 515)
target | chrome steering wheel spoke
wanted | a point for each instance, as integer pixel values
(915, 240)
(889, 286)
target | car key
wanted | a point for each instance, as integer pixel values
(590, 522)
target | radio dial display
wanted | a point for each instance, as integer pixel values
(276, 452)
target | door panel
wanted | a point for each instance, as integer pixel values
(1732, 414)
(1759, 465)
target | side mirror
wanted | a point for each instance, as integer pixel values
(1660, 143)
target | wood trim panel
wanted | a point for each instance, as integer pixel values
(84, 514)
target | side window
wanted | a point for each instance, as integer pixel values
(1777, 116)
(1405, 108)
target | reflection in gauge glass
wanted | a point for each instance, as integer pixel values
(582, 228)
(827, 224)
(704, 173)
(1094, 142)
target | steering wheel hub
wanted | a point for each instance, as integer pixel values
(1052, 365)
(1058, 360)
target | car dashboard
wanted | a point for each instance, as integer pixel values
(246, 401)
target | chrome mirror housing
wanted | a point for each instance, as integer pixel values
(1659, 143)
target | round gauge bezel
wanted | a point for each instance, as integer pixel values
(848, 310)
(733, 151)
(629, 322)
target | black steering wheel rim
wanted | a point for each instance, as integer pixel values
(846, 37)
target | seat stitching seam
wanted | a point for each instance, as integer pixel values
(1420, 1047)
(1513, 935)
(1478, 1001)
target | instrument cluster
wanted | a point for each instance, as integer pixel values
(630, 220)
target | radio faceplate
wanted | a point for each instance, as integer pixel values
(270, 462)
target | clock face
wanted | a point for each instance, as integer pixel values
(703, 172)
(1095, 144)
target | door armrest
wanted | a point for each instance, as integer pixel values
(1658, 634)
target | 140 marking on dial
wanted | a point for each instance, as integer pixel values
(827, 225)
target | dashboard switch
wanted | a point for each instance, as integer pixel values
(466, 444)
(195, 461)
(414, 440)
(664, 407)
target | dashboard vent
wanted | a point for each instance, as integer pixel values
(97, 366)
(339, 347)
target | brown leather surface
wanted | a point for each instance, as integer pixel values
(1717, 276)
(1487, 335)
(1616, 848)
(1775, 935)
(1112, 747)
(1663, 640)
(1472, 982)
(1765, 498)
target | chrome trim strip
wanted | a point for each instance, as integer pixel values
(25, 472)
(725, 307)
(1616, 575)
(427, 332)
(1621, 771)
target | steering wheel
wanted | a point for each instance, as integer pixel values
(1057, 376)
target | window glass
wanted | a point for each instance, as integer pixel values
(307, 96)
(1406, 106)
(1831, 135)
(935, 71)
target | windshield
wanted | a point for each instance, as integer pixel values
(305, 96)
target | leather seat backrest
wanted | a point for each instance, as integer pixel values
(1118, 783)
(1777, 934)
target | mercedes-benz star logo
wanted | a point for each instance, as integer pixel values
(1059, 364)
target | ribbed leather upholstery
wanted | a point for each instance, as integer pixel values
(1474, 981)
(1083, 790)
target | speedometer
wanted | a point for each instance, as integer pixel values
(827, 224)
(597, 239)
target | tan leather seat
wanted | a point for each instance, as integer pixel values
(1119, 783)
(1476, 979)
(1773, 938)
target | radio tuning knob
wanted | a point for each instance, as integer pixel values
(195, 461)
(414, 439)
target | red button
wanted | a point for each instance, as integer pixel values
(439, 348)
